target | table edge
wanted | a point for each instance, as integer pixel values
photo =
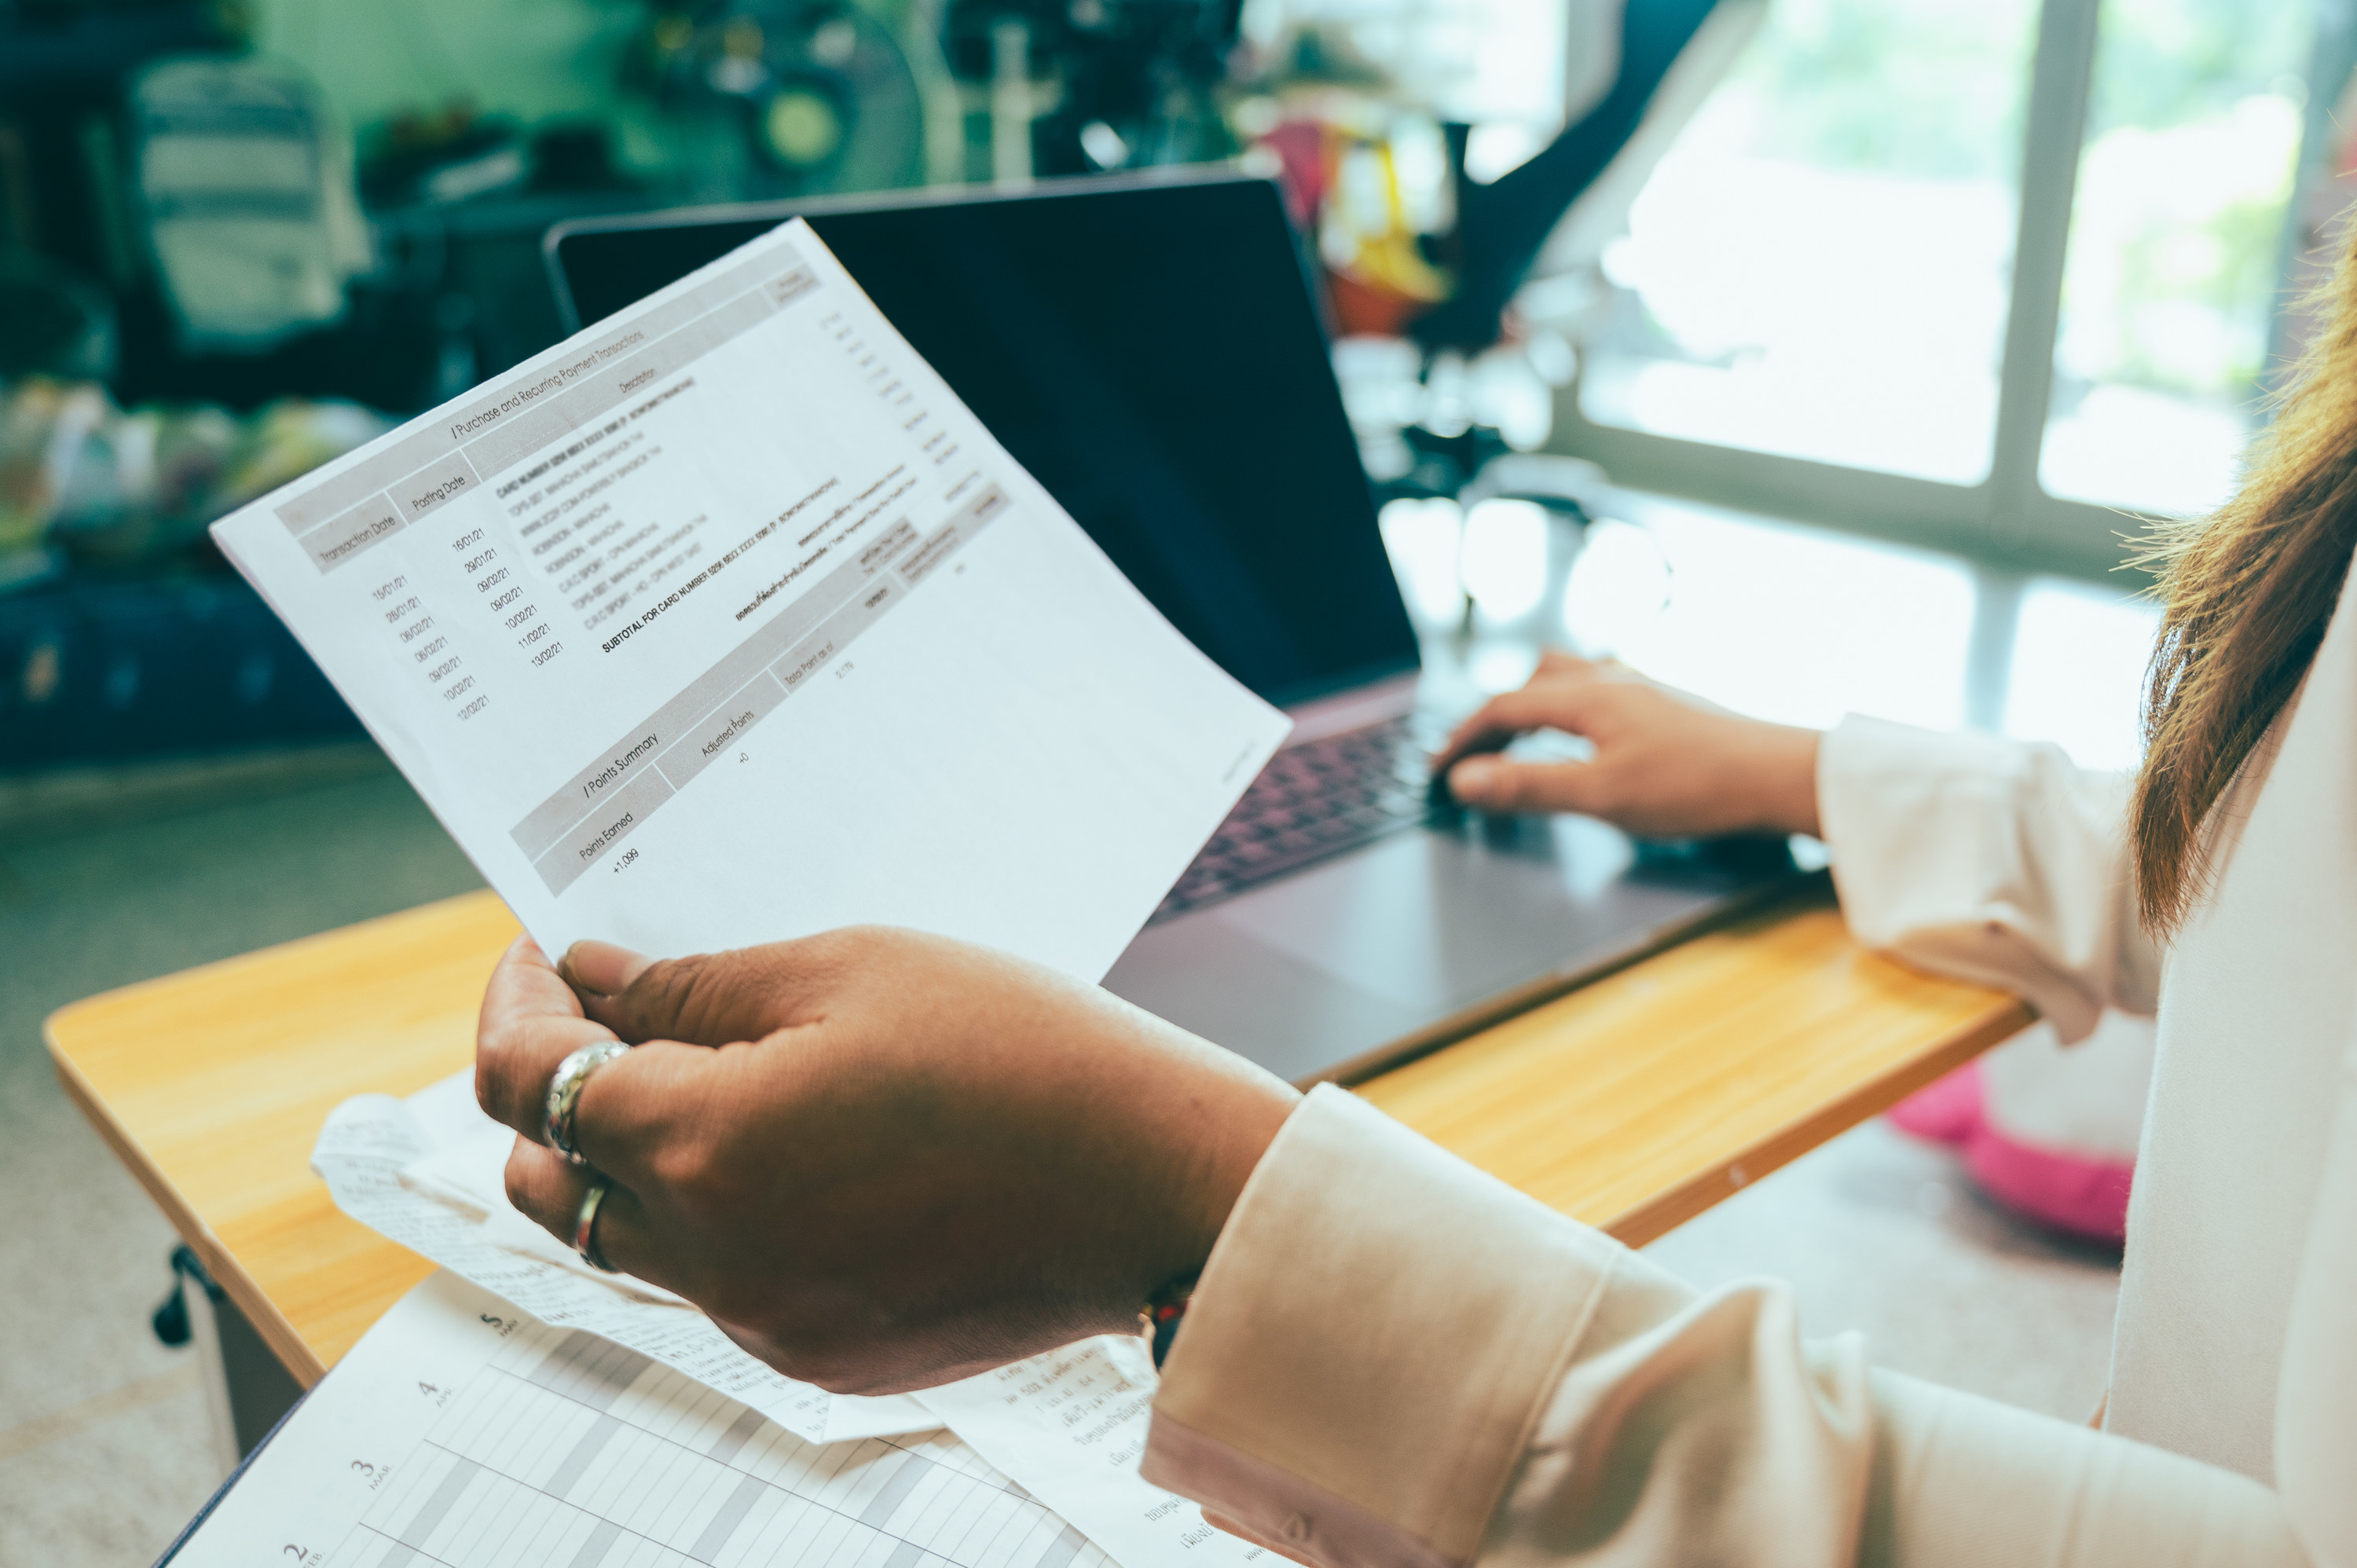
(67, 1013)
(1635, 1226)
(1666, 1210)
(276, 1330)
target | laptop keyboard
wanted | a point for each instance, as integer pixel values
(1312, 800)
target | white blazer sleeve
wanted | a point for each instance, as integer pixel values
(1989, 860)
(1394, 1359)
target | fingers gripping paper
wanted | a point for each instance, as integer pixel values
(370, 1143)
(726, 621)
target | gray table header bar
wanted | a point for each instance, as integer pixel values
(712, 740)
(637, 751)
(608, 800)
(371, 522)
(616, 821)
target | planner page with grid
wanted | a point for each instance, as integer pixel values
(464, 1434)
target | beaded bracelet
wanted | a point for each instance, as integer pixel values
(1158, 1322)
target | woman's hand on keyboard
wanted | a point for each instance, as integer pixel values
(1665, 763)
(879, 1160)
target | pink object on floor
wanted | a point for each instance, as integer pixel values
(2082, 1195)
(1945, 1111)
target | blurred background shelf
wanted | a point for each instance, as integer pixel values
(1688, 244)
(115, 671)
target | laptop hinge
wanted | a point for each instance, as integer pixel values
(1353, 709)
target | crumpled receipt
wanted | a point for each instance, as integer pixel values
(425, 1172)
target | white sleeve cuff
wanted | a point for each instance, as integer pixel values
(1989, 860)
(1370, 1343)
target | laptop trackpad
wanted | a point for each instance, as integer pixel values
(1253, 998)
(1437, 920)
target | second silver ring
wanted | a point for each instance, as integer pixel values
(585, 1226)
(565, 1087)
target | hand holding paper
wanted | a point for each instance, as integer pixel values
(727, 622)
(880, 1160)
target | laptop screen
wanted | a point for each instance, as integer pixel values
(1151, 354)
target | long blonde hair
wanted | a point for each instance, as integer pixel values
(2247, 594)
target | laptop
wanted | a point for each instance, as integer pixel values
(1150, 349)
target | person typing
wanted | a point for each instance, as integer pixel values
(882, 1160)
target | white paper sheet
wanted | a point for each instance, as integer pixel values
(463, 1167)
(460, 1432)
(1070, 1426)
(360, 1154)
(726, 621)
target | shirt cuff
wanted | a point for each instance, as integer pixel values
(1984, 859)
(1371, 1343)
(1875, 780)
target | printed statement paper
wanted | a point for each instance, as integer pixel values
(726, 621)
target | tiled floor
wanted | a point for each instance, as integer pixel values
(102, 1448)
(1882, 1234)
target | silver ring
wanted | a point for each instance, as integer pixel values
(584, 1227)
(565, 1087)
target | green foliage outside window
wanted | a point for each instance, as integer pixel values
(2192, 134)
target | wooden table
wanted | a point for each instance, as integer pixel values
(1634, 1102)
